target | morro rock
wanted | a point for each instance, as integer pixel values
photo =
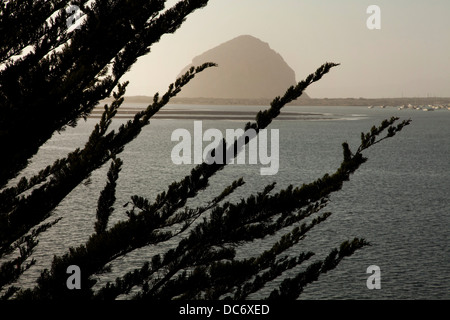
(247, 69)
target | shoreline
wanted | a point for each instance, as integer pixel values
(186, 114)
(244, 114)
(299, 102)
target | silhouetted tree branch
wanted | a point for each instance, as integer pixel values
(50, 78)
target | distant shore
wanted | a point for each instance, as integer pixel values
(299, 102)
(141, 102)
(128, 113)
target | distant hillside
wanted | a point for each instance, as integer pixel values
(300, 102)
(247, 69)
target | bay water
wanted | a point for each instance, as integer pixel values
(398, 200)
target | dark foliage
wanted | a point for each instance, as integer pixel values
(58, 82)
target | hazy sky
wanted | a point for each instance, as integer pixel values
(408, 56)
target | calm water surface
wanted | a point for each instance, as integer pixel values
(398, 200)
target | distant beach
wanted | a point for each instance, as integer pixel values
(134, 104)
(186, 113)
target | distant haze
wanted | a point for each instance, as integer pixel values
(408, 56)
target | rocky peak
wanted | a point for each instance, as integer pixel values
(247, 69)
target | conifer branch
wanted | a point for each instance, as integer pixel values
(369, 139)
(94, 157)
(250, 222)
(189, 187)
(67, 173)
(13, 268)
(291, 288)
(107, 197)
(76, 81)
(59, 81)
(188, 217)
